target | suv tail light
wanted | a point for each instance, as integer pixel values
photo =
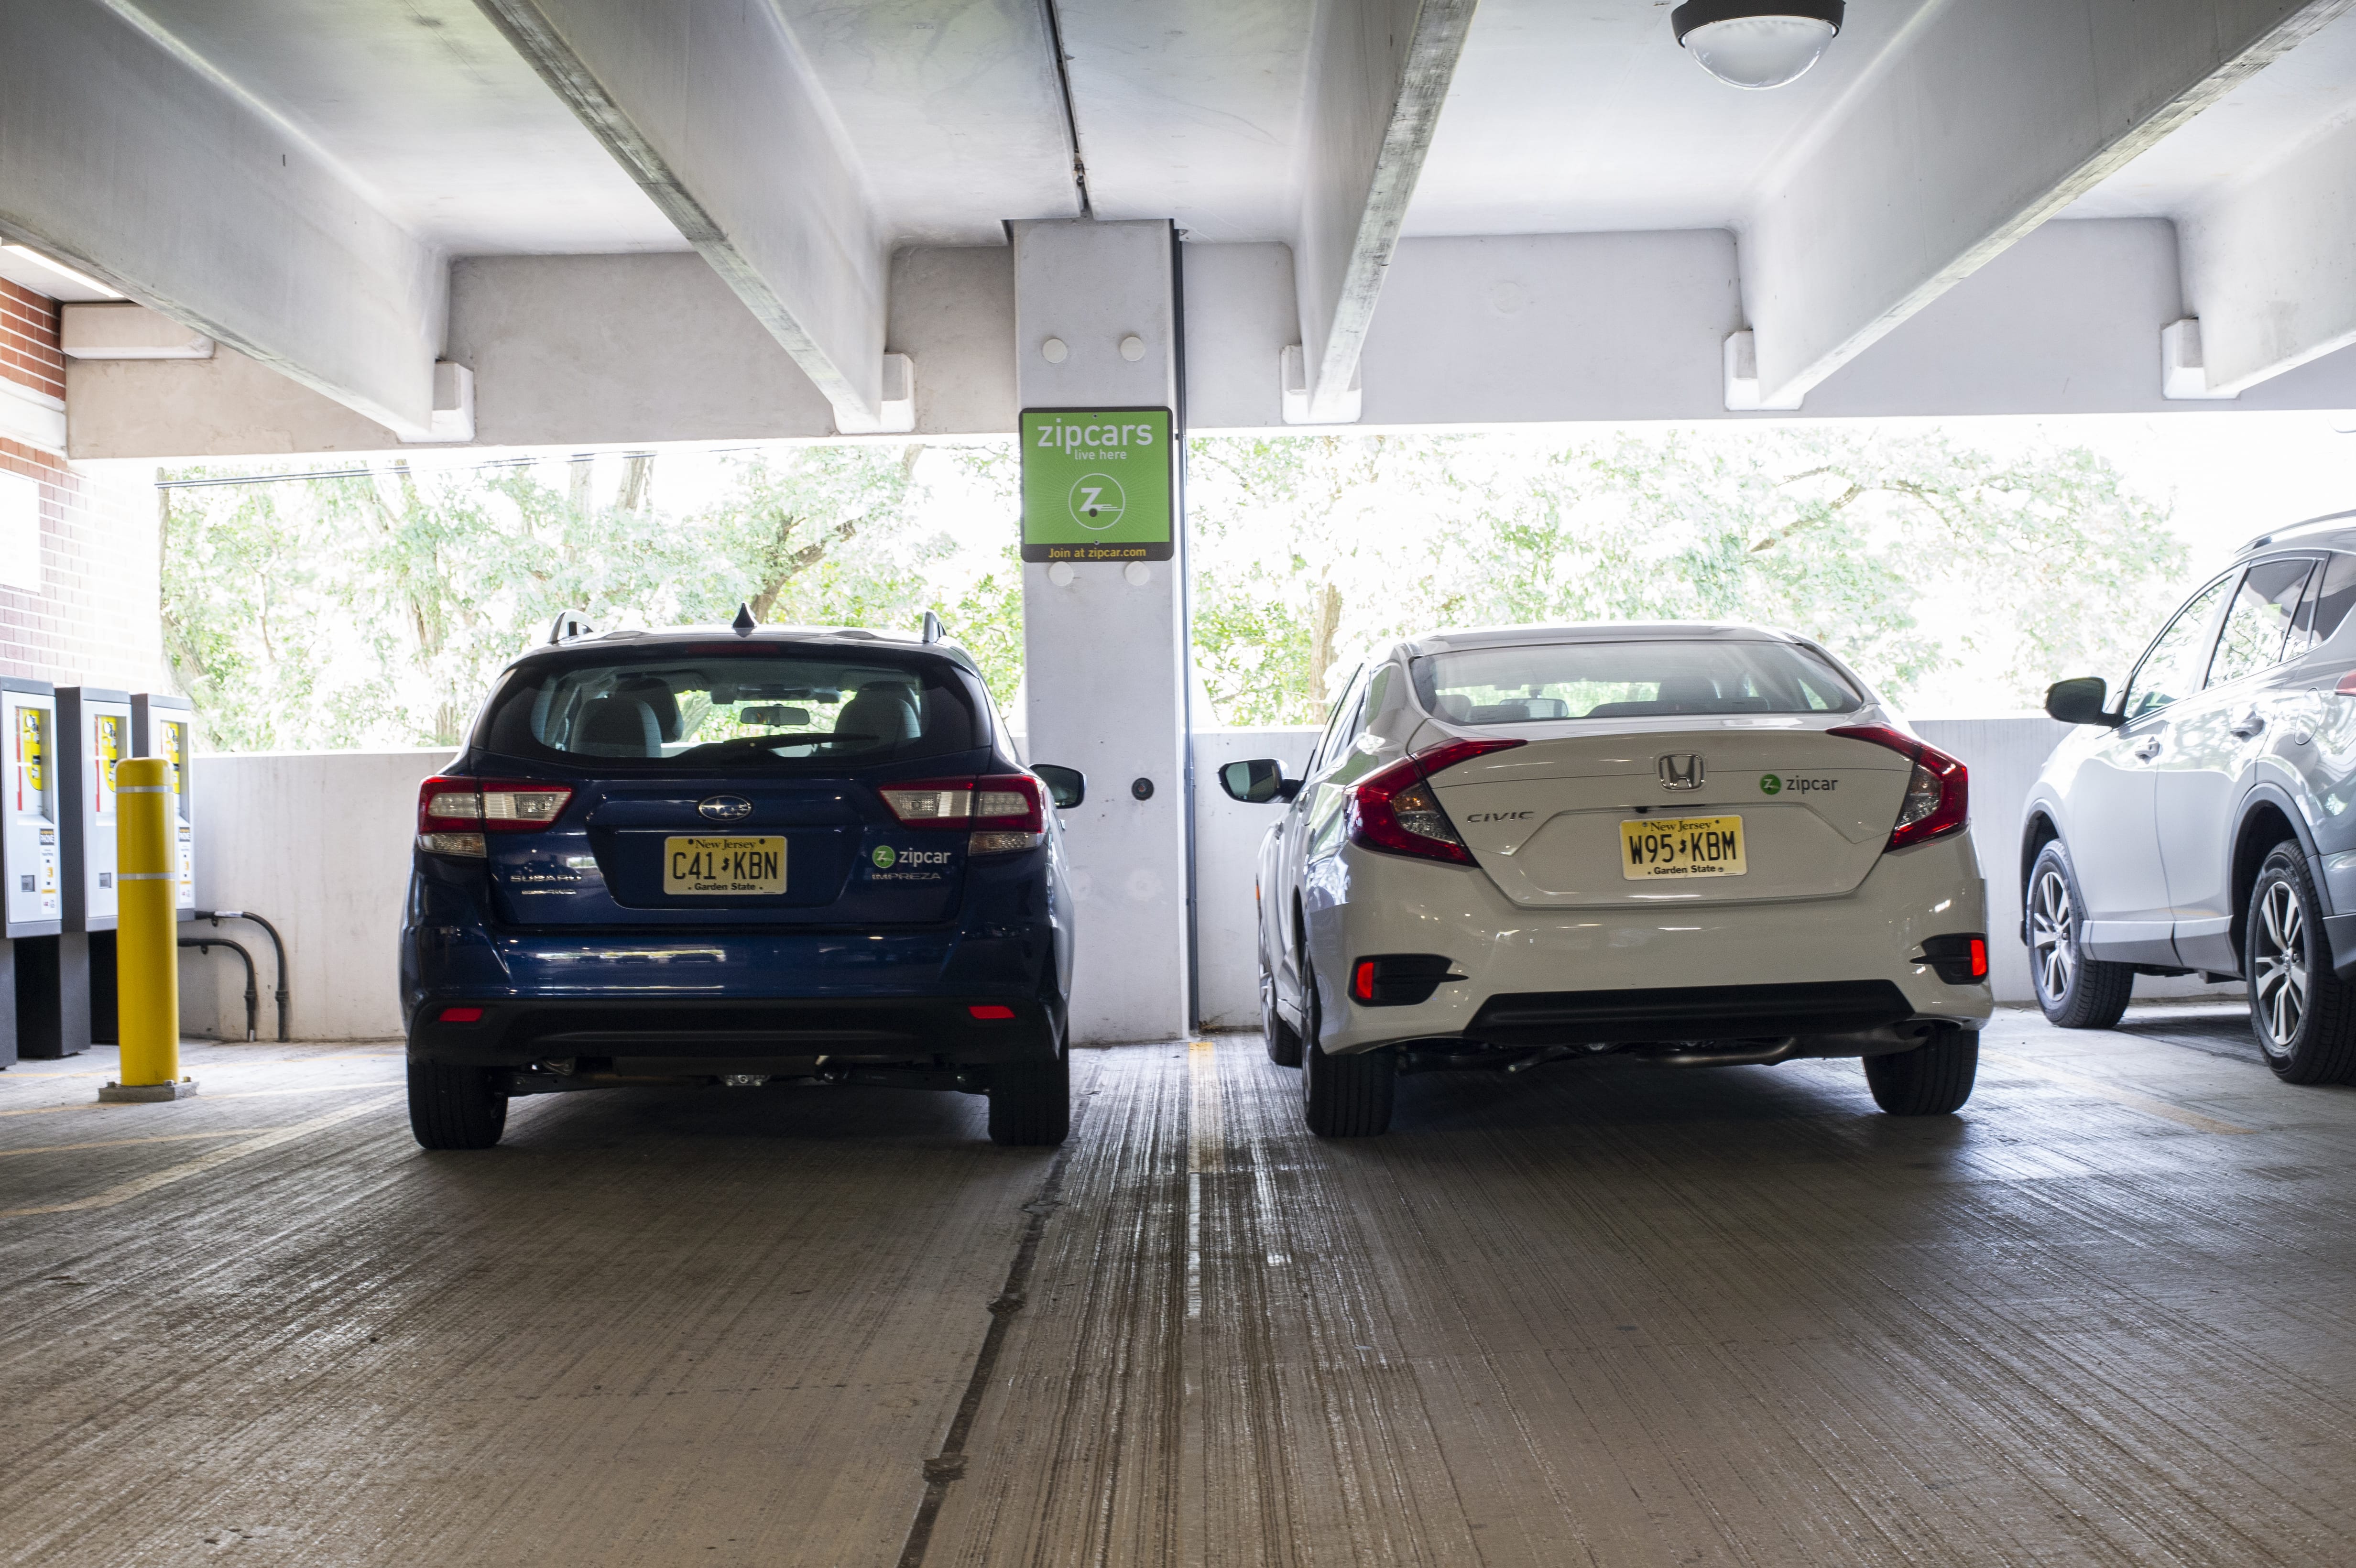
(1002, 813)
(453, 813)
(1397, 810)
(1938, 792)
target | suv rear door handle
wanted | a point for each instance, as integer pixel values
(2149, 749)
(2248, 724)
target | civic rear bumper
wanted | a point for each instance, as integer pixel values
(513, 1033)
(1827, 967)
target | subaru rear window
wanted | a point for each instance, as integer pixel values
(1629, 680)
(727, 709)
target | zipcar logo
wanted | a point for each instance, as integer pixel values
(1771, 784)
(725, 809)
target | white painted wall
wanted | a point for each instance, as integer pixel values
(1226, 856)
(319, 842)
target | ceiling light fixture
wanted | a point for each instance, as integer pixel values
(1757, 43)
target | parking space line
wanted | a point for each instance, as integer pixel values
(124, 1192)
(1204, 1141)
(2132, 1099)
(126, 1143)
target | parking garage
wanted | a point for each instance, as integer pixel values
(1606, 1311)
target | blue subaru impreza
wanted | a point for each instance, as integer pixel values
(738, 856)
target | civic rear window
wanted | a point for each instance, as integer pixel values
(755, 709)
(1628, 680)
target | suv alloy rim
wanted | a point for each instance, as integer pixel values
(2053, 934)
(2278, 962)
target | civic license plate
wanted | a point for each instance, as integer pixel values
(732, 865)
(1681, 846)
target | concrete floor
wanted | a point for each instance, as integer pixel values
(1617, 1315)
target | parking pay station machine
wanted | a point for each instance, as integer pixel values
(93, 735)
(32, 897)
(164, 727)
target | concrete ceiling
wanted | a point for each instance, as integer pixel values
(797, 145)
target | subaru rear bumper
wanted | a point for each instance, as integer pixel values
(515, 1031)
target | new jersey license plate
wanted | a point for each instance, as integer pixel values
(740, 865)
(1681, 846)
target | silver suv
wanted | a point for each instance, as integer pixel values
(2202, 823)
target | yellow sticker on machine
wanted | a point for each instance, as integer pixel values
(1681, 846)
(739, 864)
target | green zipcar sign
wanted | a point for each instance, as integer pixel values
(1095, 485)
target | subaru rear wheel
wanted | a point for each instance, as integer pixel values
(2073, 990)
(2303, 1014)
(450, 1107)
(1343, 1097)
(1031, 1101)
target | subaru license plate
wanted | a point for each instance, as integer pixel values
(740, 865)
(1681, 846)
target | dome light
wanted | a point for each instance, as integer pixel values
(1757, 43)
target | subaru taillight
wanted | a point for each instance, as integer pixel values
(1938, 791)
(453, 813)
(1002, 814)
(1397, 810)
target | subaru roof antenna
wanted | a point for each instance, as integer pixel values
(570, 625)
(744, 623)
(932, 627)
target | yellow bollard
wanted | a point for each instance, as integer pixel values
(147, 933)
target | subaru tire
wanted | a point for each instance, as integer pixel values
(454, 1107)
(1031, 1101)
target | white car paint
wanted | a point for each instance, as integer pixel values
(1545, 910)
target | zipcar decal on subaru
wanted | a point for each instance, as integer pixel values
(890, 863)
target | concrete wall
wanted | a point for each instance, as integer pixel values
(1227, 855)
(320, 844)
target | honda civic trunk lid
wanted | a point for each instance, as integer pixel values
(1545, 819)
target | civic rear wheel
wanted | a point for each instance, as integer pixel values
(2303, 1014)
(455, 1107)
(1932, 1080)
(1343, 1097)
(2073, 990)
(1283, 1041)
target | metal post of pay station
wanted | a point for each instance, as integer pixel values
(93, 739)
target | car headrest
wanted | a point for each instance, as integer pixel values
(618, 726)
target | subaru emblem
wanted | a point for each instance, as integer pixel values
(726, 808)
(1681, 769)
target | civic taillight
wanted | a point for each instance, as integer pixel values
(1397, 810)
(453, 813)
(1001, 814)
(1938, 791)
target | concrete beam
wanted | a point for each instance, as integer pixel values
(135, 163)
(2270, 266)
(713, 108)
(1378, 74)
(1983, 122)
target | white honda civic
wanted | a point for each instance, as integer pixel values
(1699, 844)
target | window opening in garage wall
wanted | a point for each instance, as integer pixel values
(368, 602)
(1961, 565)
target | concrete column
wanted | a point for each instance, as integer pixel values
(1104, 652)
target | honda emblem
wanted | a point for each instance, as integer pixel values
(1681, 769)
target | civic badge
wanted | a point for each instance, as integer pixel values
(1681, 769)
(726, 808)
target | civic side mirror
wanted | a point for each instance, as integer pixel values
(2081, 701)
(1066, 787)
(1257, 781)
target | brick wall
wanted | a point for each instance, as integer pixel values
(97, 617)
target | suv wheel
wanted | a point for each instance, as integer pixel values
(1031, 1101)
(1932, 1080)
(2303, 1014)
(452, 1106)
(1343, 1097)
(2073, 990)
(1283, 1041)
